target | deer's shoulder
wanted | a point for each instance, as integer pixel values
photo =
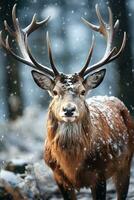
(104, 103)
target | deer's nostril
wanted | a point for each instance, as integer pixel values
(69, 111)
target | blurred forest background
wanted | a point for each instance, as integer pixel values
(71, 40)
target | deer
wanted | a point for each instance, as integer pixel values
(88, 140)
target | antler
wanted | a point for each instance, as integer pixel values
(21, 38)
(107, 30)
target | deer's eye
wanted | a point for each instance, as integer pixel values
(55, 92)
(83, 92)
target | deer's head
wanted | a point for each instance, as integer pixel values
(68, 91)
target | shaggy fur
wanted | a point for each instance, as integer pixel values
(98, 147)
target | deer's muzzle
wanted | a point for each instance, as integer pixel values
(69, 112)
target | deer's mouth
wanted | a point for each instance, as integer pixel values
(69, 119)
(72, 117)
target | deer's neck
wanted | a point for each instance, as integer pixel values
(68, 134)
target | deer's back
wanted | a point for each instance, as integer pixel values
(112, 126)
(110, 121)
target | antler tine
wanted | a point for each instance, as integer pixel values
(29, 29)
(109, 58)
(92, 26)
(35, 25)
(15, 23)
(110, 18)
(100, 64)
(21, 38)
(15, 20)
(101, 29)
(7, 48)
(8, 29)
(38, 65)
(107, 30)
(116, 25)
(88, 58)
(121, 48)
(50, 55)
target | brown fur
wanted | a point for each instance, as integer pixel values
(102, 146)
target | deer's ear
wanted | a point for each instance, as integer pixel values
(43, 81)
(92, 81)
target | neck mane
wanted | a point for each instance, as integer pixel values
(67, 134)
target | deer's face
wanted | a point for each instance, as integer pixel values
(68, 93)
(68, 98)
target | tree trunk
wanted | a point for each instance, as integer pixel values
(12, 80)
(125, 61)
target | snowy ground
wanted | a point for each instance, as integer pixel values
(23, 138)
(23, 141)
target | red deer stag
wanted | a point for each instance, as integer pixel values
(87, 141)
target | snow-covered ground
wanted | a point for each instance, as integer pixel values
(23, 138)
